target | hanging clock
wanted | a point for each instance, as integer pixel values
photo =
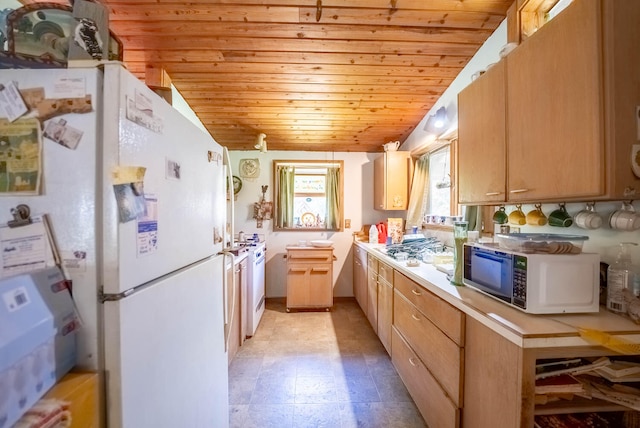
(237, 184)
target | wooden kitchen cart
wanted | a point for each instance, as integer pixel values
(309, 277)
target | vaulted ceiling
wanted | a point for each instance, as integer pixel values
(334, 75)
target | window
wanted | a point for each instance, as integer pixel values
(308, 195)
(310, 198)
(439, 192)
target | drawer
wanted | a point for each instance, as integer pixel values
(442, 357)
(372, 275)
(436, 408)
(310, 256)
(372, 262)
(385, 271)
(448, 319)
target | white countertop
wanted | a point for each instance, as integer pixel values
(525, 330)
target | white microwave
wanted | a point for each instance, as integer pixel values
(535, 283)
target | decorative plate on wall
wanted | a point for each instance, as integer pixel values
(237, 184)
(249, 168)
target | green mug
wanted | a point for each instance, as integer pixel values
(500, 216)
(560, 217)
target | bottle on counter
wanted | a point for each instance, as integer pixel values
(460, 233)
(621, 276)
(373, 234)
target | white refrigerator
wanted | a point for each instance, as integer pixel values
(148, 279)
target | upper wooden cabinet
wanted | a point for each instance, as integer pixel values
(555, 109)
(481, 138)
(570, 112)
(391, 179)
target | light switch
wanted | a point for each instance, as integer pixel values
(347, 223)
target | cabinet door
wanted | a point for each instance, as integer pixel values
(391, 178)
(372, 298)
(297, 286)
(492, 380)
(235, 327)
(360, 277)
(385, 313)
(554, 99)
(481, 138)
(320, 286)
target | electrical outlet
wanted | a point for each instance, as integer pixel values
(347, 223)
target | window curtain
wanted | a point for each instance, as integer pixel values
(419, 189)
(473, 215)
(333, 199)
(286, 180)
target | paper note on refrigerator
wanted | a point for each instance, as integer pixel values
(25, 248)
(147, 236)
(11, 103)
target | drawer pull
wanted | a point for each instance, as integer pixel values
(416, 292)
(415, 317)
(412, 362)
(297, 270)
(319, 269)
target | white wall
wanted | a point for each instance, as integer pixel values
(358, 207)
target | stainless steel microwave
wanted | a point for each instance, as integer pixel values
(535, 283)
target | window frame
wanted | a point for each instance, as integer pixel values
(309, 164)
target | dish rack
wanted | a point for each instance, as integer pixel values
(414, 249)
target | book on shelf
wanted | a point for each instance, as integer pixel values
(584, 366)
(621, 368)
(561, 384)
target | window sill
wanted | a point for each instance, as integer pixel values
(443, 227)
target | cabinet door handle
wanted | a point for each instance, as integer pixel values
(416, 292)
(518, 190)
(412, 362)
(493, 193)
(297, 270)
(415, 317)
(381, 206)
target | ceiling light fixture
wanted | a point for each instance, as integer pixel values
(437, 122)
(261, 143)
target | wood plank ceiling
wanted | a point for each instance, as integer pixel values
(330, 75)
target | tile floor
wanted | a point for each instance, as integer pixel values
(317, 369)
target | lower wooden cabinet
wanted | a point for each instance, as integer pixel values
(434, 405)
(430, 361)
(372, 292)
(237, 296)
(309, 277)
(385, 312)
(360, 277)
(493, 380)
(439, 353)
